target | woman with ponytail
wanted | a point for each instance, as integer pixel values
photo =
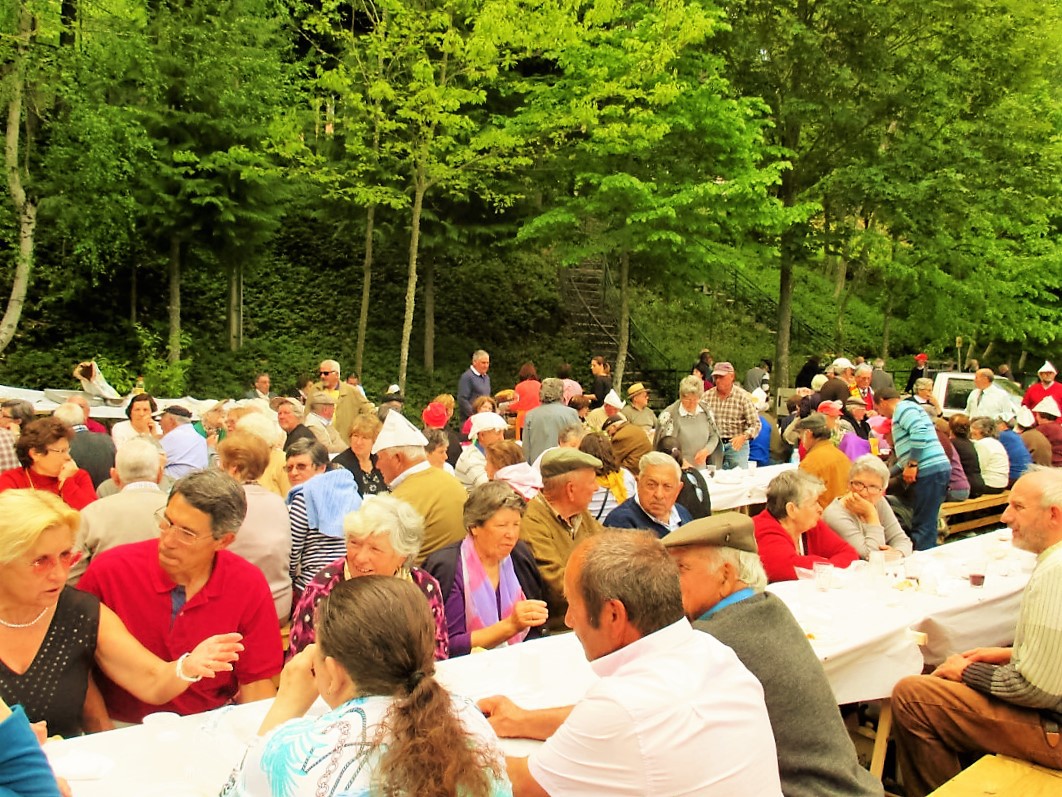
(392, 728)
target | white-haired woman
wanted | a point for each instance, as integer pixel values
(383, 538)
(862, 516)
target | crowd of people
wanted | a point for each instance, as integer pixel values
(176, 563)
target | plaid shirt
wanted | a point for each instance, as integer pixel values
(734, 415)
(8, 457)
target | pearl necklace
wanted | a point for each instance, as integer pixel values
(34, 621)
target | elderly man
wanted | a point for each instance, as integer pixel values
(130, 514)
(723, 595)
(822, 458)
(1046, 387)
(757, 376)
(637, 410)
(348, 399)
(471, 468)
(185, 448)
(839, 386)
(880, 378)
(995, 700)
(320, 417)
(921, 460)
(434, 493)
(14, 414)
(735, 415)
(175, 591)
(862, 388)
(629, 443)
(1018, 456)
(557, 519)
(1047, 413)
(91, 451)
(855, 414)
(674, 712)
(289, 419)
(693, 425)
(473, 383)
(610, 408)
(543, 424)
(654, 506)
(988, 400)
(86, 409)
(261, 387)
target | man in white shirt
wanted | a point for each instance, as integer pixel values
(675, 711)
(988, 400)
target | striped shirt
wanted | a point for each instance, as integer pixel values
(915, 438)
(734, 415)
(310, 549)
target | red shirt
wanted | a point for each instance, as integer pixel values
(1037, 393)
(77, 491)
(779, 553)
(236, 597)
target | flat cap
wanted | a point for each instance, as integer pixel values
(815, 422)
(725, 530)
(175, 409)
(558, 461)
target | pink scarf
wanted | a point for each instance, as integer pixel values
(481, 601)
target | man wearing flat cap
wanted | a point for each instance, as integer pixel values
(637, 410)
(434, 493)
(557, 519)
(723, 595)
(320, 414)
(822, 458)
(629, 443)
(185, 448)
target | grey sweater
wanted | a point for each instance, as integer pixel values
(816, 757)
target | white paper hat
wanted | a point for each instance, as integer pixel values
(486, 422)
(1025, 418)
(614, 400)
(1048, 406)
(397, 431)
(1047, 368)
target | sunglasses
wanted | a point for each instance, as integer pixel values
(65, 560)
(326, 373)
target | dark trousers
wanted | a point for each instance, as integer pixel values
(927, 495)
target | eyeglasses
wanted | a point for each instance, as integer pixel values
(65, 560)
(62, 451)
(298, 467)
(326, 373)
(184, 536)
(863, 487)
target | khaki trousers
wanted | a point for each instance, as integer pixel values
(936, 721)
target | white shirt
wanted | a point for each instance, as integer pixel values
(675, 713)
(401, 477)
(994, 461)
(992, 402)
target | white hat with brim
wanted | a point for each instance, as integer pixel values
(487, 422)
(397, 431)
(1047, 368)
(1048, 406)
(613, 400)
(843, 363)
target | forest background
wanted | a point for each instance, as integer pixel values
(199, 190)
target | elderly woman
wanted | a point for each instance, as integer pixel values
(382, 538)
(991, 455)
(694, 426)
(359, 459)
(139, 411)
(923, 395)
(391, 728)
(486, 428)
(264, 537)
(43, 448)
(319, 500)
(52, 635)
(971, 464)
(614, 484)
(435, 450)
(790, 532)
(489, 581)
(505, 463)
(862, 517)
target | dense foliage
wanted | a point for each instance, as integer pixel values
(194, 191)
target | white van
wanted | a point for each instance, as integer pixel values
(952, 389)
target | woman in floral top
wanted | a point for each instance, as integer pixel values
(383, 538)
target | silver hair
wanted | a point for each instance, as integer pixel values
(137, 461)
(748, 565)
(70, 414)
(385, 514)
(216, 494)
(318, 453)
(20, 410)
(984, 426)
(486, 500)
(923, 383)
(333, 365)
(552, 390)
(412, 453)
(1052, 490)
(864, 368)
(658, 459)
(575, 431)
(879, 363)
(261, 425)
(796, 486)
(691, 385)
(868, 463)
(479, 354)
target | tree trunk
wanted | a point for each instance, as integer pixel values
(174, 353)
(429, 318)
(366, 281)
(25, 206)
(235, 309)
(132, 294)
(785, 305)
(411, 282)
(624, 319)
(68, 22)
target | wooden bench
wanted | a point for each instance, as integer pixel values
(957, 509)
(1001, 776)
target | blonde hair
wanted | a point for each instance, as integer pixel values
(447, 401)
(25, 515)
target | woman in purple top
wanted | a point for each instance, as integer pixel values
(490, 582)
(383, 538)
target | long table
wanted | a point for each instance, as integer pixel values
(867, 636)
(740, 487)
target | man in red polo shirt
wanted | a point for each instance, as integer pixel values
(175, 591)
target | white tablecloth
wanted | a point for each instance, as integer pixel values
(733, 489)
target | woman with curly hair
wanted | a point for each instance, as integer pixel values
(392, 728)
(43, 449)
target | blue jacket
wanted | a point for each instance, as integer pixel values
(630, 515)
(1020, 458)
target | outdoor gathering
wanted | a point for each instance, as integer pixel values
(558, 398)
